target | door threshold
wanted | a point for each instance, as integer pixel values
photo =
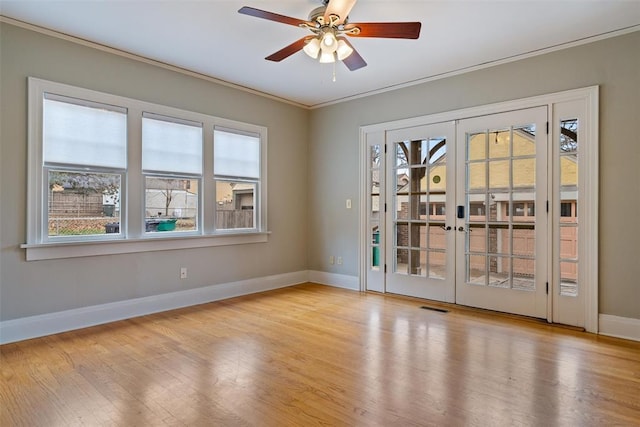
(441, 306)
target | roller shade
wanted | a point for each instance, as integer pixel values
(88, 135)
(236, 154)
(170, 145)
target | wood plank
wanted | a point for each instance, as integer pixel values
(316, 355)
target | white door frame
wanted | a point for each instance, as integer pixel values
(588, 241)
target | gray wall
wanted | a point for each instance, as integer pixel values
(37, 287)
(614, 64)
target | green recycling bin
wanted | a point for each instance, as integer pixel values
(376, 249)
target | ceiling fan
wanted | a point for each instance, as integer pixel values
(329, 24)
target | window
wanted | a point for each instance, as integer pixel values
(437, 209)
(522, 209)
(565, 209)
(172, 166)
(84, 156)
(477, 209)
(236, 167)
(104, 167)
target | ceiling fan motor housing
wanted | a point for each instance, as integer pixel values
(316, 13)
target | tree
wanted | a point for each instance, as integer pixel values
(166, 186)
(86, 182)
(410, 154)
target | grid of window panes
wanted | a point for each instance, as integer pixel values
(375, 153)
(500, 202)
(419, 200)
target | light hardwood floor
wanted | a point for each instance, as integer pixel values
(314, 355)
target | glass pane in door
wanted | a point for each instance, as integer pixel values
(419, 207)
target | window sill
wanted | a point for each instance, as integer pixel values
(43, 251)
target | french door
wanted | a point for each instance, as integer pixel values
(501, 212)
(492, 206)
(420, 178)
(466, 211)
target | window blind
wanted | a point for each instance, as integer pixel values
(171, 146)
(235, 154)
(88, 135)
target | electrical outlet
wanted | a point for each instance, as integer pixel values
(331, 260)
(339, 260)
(183, 272)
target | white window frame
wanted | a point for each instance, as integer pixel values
(258, 191)
(173, 175)
(132, 237)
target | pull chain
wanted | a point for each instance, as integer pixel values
(334, 71)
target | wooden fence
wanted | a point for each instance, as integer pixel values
(234, 219)
(68, 204)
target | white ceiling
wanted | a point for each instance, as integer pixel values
(211, 38)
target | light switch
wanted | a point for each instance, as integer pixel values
(348, 203)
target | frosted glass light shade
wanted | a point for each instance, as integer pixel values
(344, 50)
(327, 57)
(312, 48)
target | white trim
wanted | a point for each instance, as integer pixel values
(585, 93)
(620, 327)
(68, 320)
(482, 66)
(590, 194)
(363, 218)
(336, 280)
(37, 252)
(135, 57)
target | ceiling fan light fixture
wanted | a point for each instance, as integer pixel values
(312, 48)
(344, 50)
(329, 24)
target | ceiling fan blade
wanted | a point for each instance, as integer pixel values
(353, 61)
(258, 13)
(389, 30)
(288, 50)
(340, 8)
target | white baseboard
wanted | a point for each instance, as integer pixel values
(63, 321)
(68, 320)
(336, 280)
(619, 327)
